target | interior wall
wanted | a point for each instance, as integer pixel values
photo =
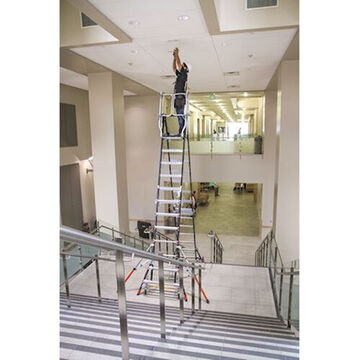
(286, 207)
(79, 154)
(142, 151)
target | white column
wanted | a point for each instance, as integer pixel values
(106, 104)
(286, 209)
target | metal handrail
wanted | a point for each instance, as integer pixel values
(83, 238)
(265, 256)
(216, 248)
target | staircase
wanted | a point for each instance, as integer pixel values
(90, 330)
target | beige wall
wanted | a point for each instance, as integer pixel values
(286, 210)
(79, 154)
(232, 15)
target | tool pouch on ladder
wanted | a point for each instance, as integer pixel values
(179, 101)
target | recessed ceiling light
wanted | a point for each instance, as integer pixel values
(250, 55)
(183, 17)
(223, 44)
(135, 51)
(134, 22)
(245, 93)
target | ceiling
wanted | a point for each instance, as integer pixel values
(155, 29)
(224, 105)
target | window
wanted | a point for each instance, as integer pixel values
(68, 132)
(260, 4)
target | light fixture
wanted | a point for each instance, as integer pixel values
(245, 93)
(134, 23)
(183, 17)
(90, 159)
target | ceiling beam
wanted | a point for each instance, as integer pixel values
(93, 13)
(81, 65)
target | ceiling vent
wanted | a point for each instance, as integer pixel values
(233, 86)
(166, 77)
(260, 4)
(232, 73)
(86, 21)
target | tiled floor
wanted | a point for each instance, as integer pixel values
(230, 213)
(236, 289)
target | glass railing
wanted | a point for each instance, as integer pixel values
(78, 261)
(284, 280)
(226, 145)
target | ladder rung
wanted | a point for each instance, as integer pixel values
(167, 214)
(169, 188)
(171, 175)
(172, 138)
(186, 226)
(186, 218)
(165, 201)
(179, 151)
(161, 227)
(157, 283)
(173, 162)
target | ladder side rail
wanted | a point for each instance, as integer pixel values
(169, 160)
(181, 192)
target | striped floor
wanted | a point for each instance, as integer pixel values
(90, 330)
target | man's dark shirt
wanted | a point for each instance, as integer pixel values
(181, 78)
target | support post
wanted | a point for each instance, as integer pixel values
(199, 288)
(98, 277)
(290, 295)
(120, 276)
(162, 299)
(66, 281)
(275, 262)
(193, 290)
(181, 283)
(281, 288)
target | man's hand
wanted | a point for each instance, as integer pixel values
(176, 52)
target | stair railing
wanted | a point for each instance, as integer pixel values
(82, 238)
(216, 248)
(282, 278)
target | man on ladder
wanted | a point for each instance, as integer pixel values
(181, 71)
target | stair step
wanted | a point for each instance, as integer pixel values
(186, 211)
(186, 242)
(166, 269)
(186, 218)
(162, 227)
(188, 234)
(186, 226)
(165, 201)
(188, 249)
(167, 214)
(185, 201)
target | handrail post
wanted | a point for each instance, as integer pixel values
(98, 277)
(193, 290)
(181, 283)
(290, 294)
(120, 276)
(275, 262)
(162, 299)
(199, 288)
(66, 281)
(281, 288)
